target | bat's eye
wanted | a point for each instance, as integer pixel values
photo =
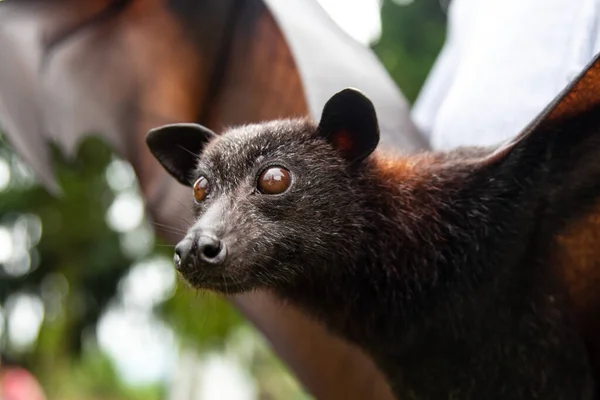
(201, 189)
(274, 180)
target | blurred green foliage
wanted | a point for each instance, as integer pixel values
(412, 36)
(74, 262)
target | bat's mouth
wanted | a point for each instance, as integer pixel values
(216, 283)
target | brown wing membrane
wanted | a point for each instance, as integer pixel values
(118, 68)
(82, 75)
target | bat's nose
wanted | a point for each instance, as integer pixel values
(209, 249)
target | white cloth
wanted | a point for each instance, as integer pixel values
(502, 63)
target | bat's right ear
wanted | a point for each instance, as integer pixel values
(349, 124)
(178, 146)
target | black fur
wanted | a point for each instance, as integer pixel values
(434, 264)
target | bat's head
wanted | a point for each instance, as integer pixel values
(274, 202)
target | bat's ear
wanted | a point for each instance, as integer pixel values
(349, 123)
(568, 126)
(178, 146)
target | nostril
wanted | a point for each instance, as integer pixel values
(211, 249)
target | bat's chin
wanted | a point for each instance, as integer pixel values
(219, 283)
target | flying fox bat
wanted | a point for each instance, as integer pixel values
(468, 273)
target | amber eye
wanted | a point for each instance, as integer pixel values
(201, 188)
(274, 180)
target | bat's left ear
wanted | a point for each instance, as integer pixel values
(349, 123)
(178, 146)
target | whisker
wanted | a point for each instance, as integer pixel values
(173, 229)
(185, 220)
(186, 207)
(164, 225)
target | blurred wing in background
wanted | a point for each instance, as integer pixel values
(116, 68)
(71, 68)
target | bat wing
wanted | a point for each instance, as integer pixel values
(36, 103)
(19, 101)
(565, 139)
(575, 200)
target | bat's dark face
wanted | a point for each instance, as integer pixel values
(272, 200)
(269, 199)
